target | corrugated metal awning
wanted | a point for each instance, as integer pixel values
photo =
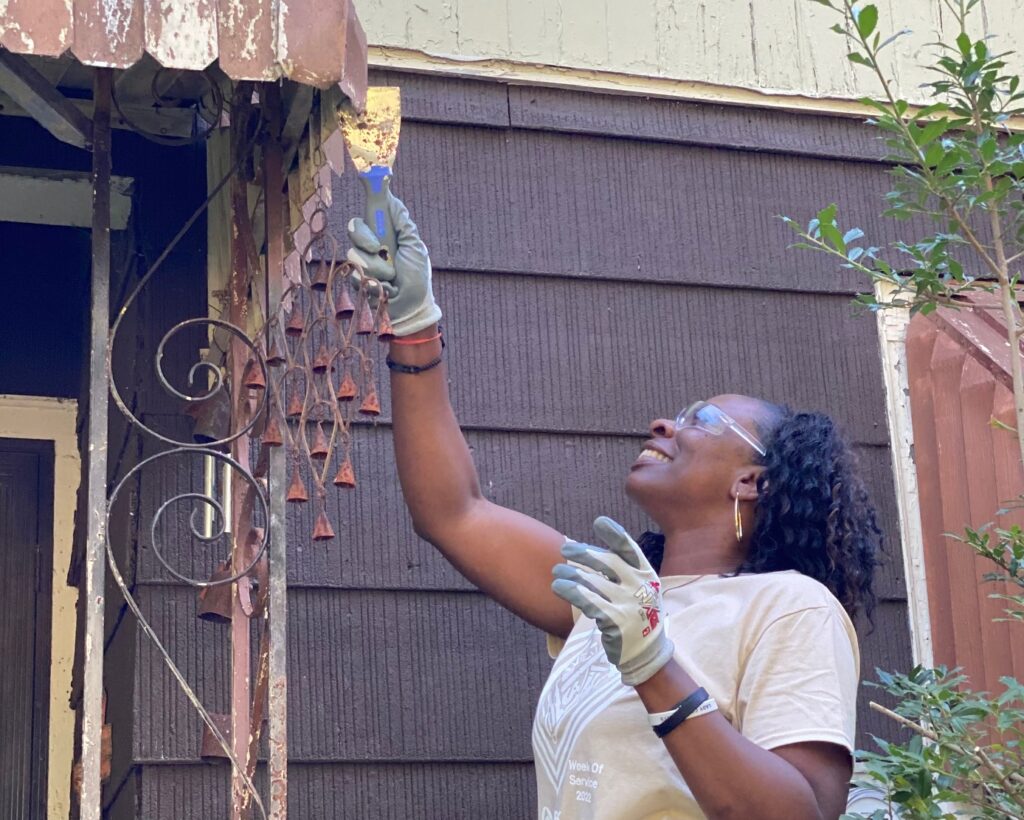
(313, 42)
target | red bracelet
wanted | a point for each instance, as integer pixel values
(400, 341)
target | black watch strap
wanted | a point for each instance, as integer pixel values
(681, 711)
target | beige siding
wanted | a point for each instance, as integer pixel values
(771, 47)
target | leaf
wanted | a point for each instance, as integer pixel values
(932, 131)
(858, 58)
(963, 42)
(866, 20)
(933, 156)
(852, 235)
(831, 234)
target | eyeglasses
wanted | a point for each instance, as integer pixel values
(714, 420)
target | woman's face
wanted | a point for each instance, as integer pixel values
(688, 473)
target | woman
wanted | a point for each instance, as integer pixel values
(718, 676)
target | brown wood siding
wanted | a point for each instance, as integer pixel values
(581, 299)
(589, 207)
(568, 493)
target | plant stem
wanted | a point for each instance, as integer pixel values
(999, 266)
(1001, 775)
(1008, 301)
(975, 755)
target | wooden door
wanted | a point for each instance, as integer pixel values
(26, 526)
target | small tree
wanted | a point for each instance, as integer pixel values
(958, 171)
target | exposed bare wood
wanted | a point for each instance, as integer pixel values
(95, 564)
(297, 102)
(167, 122)
(54, 69)
(278, 668)
(47, 197)
(31, 90)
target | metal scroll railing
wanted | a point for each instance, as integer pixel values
(290, 370)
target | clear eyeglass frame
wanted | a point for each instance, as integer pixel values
(714, 420)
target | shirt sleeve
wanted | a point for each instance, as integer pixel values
(799, 682)
(556, 644)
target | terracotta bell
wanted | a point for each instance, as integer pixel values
(322, 276)
(296, 323)
(346, 476)
(347, 390)
(212, 418)
(364, 327)
(320, 447)
(275, 356)
(296, 488)
(384, 330)
(215, 601)
(252, 376)
(272, 433)
(322, 360)
(294, 404)
(323, 531)
(343, 307)
(370, 405)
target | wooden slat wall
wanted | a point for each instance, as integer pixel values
(958, 369)
(590, 283)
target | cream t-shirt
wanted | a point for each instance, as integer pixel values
(777, 652)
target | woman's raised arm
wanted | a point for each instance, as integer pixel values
(506, 554)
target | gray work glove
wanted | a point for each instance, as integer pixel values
(405, 278)
(618, 588)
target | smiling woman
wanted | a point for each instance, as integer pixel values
(711, 673)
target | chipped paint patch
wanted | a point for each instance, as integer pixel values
(189, 34)
(117, 21)
(182, 33)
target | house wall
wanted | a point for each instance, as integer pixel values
(738, 50)
(582, 298)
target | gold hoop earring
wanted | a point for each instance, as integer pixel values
(739, 520)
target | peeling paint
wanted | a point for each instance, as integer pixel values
(760, 45)
(117, 20)
(188, 34)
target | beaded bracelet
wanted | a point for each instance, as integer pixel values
(401, 341)
(412, 369)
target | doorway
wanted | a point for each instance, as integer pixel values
(26, 554)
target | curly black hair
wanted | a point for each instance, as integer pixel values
(813, 512)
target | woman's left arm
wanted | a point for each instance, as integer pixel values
(732, 777)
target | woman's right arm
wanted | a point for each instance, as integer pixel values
(505, 553)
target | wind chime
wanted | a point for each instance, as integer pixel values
(308, 376)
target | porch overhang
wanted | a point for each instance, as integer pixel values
(319, 43)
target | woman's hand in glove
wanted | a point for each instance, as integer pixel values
(406, 279)
(617, 587)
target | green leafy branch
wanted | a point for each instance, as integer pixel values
(956, 164)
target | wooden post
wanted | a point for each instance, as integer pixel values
(238, 354)
(278, 601)
(96, 511)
